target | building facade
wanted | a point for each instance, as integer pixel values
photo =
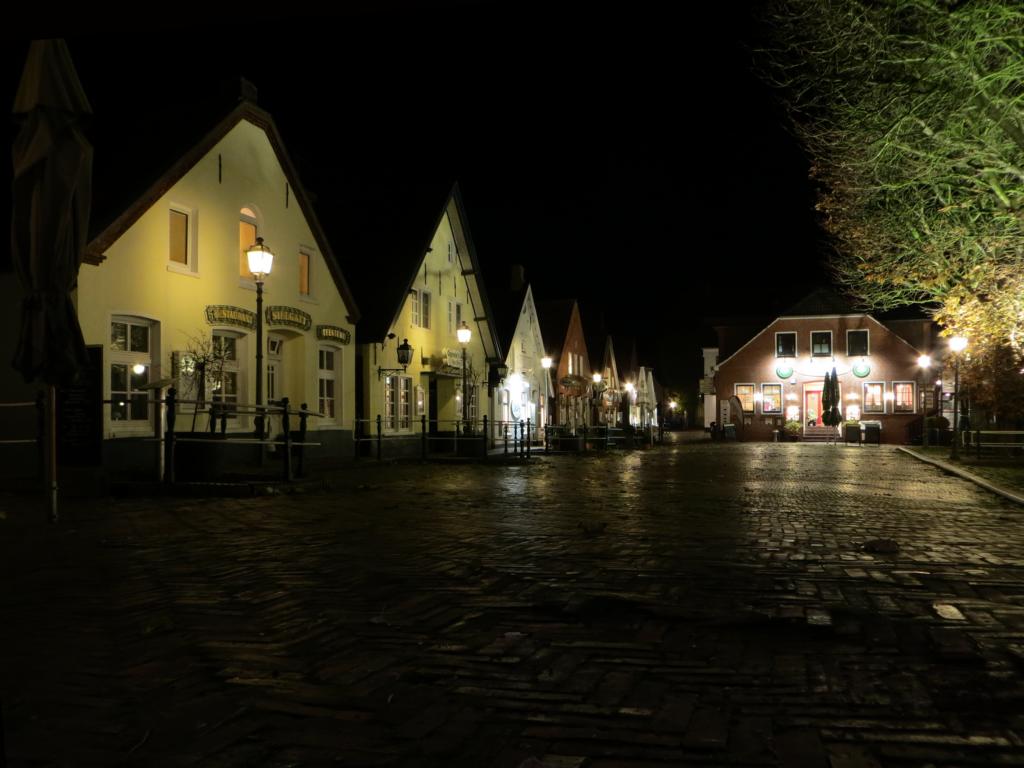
(778, 376)
(166, 284)
(524, 392)
(563, 333)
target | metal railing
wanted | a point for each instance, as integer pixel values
(40, 406)
(432, 436)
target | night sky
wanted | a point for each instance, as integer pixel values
(632, 162)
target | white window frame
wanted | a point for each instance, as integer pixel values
(753, 389)
(451, 252)
(864, 397)
(913, 397)
(796, 344)
(128, 358)
(244, 281)
(780, 411)
(393, 416)
(332, 374)
(858, 330)
(274, 367)
(831, 344)
(234, 367)
(309, 296)
(425, 302)
(191, 265)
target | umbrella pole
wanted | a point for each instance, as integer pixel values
(53, 454)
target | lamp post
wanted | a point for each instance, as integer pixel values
(464, 334)
(260, 259)
(598, 390)
(545, 363)
(924, 362)
(957, 345)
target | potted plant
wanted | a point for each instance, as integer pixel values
(851, 431)
(793, 429)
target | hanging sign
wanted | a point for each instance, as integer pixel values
(222, 314)
(290, 316)
(860, 370)
(333, 333)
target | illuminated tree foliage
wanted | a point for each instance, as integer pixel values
(911, 114)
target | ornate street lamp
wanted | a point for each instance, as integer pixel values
(464, 334)
(957, 345)
(404, 352)
(260, 259)
(924, 362)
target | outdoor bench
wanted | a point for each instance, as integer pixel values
(994, 438)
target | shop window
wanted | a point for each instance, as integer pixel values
(745, 393)
(771, 398)
(397, 403)
(132, 341)
(903, 396)
(225, 376)
(874, 397)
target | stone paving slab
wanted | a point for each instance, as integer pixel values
(693, 604)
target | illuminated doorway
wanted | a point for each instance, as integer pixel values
(812, 403)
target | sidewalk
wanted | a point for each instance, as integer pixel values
(959, 470)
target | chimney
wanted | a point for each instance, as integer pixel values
(517, 277)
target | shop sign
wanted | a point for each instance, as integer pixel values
(333, 333)
(222, 314)
(290, 316)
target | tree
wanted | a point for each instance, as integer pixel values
(911, 114)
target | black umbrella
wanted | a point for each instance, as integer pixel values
(51, 196)
(831, 414)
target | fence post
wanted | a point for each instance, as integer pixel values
(223, 410)
(213, 418)
(547, 437)
(977, 442)
(40, 435)
(172, 397)
(286, 428)
(303, 417)
(378, 436)
(423, 437)
(584, 436)
(505, 431)
(486, 436)
(527, 438)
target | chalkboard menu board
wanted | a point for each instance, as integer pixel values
(80, 416)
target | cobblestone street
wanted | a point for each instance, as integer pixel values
(696, 603)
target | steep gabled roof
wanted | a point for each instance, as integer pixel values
(508, 306)
(554, 317)
(625, 356)
(821, 301)
(123, 192)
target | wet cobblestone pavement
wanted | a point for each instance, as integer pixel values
(697, 604)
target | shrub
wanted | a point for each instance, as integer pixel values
(793, 427)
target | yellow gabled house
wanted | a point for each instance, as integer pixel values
(165, 278)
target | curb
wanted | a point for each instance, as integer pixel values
(954, 470)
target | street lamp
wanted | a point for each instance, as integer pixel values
(957, 345)
(598, 390)
(924, 362)
(545, 363)
(464, 334)
(260, 259)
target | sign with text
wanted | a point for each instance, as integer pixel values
(333, 333)
(222, 314)
(290, 316)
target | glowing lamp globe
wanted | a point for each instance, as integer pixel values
(464, 333)
(260, 259)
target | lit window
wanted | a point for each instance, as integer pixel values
(131, 359)
(745, 393)
(821, 343)
(857, 343)
(303, 273)
(397, 403)
(903, 396)
(785, 344)
(327, 378)
(771, 398)
(224, 376)
(246, 238)
(874, 397)
(178, 246)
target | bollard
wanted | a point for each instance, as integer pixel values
(287, 440)
(547, 434)
(40, 437)
(584, 437)
(527, 438)
(378, 436)
(172, 397)
(213, 418)
(505, 431)
(223, 411)
(303, 417)
(423, 437)
(515, 438)
(486, 437)
(977, 442)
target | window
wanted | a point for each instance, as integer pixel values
(903, 396)
(397, 402)
(857, 343)
(771, 398)
(451, 253)
(304, 275)
(224, 377)
(785, 344)
(821, 343)
(131, 357)
(874, 397)
(327, 378)
(275, 345)
(246, 238)
(454, 317)
(571, 356)
(421, 308)
(178, 250)
(745, 392)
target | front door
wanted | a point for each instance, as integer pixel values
(812, 404)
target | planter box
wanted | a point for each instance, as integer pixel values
(851, 433)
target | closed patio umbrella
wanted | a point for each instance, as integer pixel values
(51, 200)
(831, 413)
